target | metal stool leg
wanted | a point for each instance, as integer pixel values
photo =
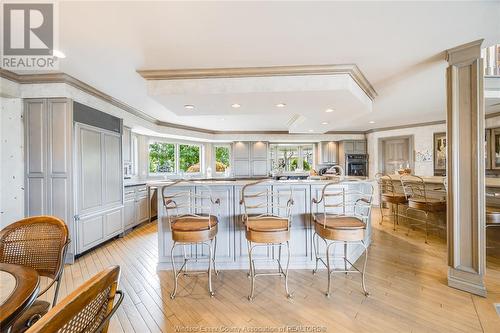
(329, 271)
(210, 260)
(214, 255)
(345, 257)
(172, 295)
(286, 269)
(252, 272)
(315, 240)
(363, 284)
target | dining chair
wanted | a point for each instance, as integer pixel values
(193, 220)
(88, 309)
(39, 242)
(341, 216)
(267, 220)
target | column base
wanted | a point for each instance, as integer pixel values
(466, 281)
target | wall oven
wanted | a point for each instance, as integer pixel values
(357, 165)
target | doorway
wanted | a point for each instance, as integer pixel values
(395, 153)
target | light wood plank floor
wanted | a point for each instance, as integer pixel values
(406, 278)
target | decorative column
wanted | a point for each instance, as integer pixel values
(465, 169)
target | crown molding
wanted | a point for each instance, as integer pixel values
(240, 72)
(382, 129)
(464, 53)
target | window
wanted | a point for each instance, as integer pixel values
(174, 158)
(162, 157)
(222, 158)
(291, 157)
(189, 158)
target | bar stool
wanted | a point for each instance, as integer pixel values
(418, 201)
(492, 219)
(388, 194)
(192, 221)
(267, 219)
(345, 216)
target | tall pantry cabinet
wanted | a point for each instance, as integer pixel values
(74, 169)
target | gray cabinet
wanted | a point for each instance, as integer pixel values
(127, 145)
(48, 155)
(135, 206)
(328, 152)
(250, 159)
(354, 146)
(99, 194)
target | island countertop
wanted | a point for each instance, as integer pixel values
(231, 252)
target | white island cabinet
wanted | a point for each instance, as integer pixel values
(232, 252)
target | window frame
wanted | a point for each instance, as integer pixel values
(176, 144)
(214, 157)
(300, 148)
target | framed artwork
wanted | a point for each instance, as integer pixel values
(440, 151)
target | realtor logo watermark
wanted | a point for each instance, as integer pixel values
(29, 36)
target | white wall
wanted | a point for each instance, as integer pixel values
(423, 141)
(11, 161)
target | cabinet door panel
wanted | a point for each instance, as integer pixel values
(259, 150)
(35, 136)
(90, 163)
(241, 150)
(59, 137)
(60, 200)
(142, 209)
(113, 223)
(360, 147)
(127, 145)
(241, 168)
(129, 214)
(259, 168)
(91, 232)
(37, 198)
(112, 166)
(349, 147)
(225, 232)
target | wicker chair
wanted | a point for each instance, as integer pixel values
(39, 242)
(88, 309)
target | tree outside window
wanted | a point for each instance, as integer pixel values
(161, 157)
(222, 159)
(189, 158)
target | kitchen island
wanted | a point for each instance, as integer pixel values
(231, 252)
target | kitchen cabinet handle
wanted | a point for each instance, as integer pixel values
(493, 194)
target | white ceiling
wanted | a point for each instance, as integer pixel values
(398, 46)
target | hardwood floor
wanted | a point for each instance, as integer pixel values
(406, 278)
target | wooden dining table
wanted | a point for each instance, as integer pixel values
(19, 288)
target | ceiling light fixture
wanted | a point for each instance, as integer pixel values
(58, 54)
(222, 119)
(235, 105)
(280, 105)
(311, 130)
(189, 106)
(371, 122)
(324, 123)
(329, 110)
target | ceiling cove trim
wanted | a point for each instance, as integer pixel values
(240, 72)
(68, 79)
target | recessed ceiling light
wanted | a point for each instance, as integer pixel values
(311, 130)
(222, 119)
(58, 54)
(235, 105)
(280, 105)
(189, 106)
(324, 123)
(371, 122)
(328, 110)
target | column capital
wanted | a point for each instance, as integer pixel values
(464, 53)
